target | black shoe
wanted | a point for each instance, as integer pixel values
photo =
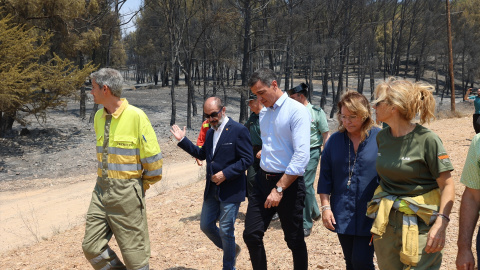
(275, 217)
(306, 232)
(317, 218)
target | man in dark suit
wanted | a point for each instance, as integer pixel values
(228, 152)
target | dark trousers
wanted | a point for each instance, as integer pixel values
(476, 123)
(357, 252)
(290, 212)
(251, 175)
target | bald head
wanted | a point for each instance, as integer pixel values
(214, 111)
(213, 103)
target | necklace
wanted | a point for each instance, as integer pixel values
(350, 172)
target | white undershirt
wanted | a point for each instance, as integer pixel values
(217, 133)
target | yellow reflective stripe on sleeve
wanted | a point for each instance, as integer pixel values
(151, 180)
(153, 166)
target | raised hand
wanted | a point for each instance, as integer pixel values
(177, 132)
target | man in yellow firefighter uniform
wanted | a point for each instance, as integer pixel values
(129, 161)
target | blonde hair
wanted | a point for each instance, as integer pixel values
(357, 104)
(409, 98)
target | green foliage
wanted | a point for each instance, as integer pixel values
(78, 27)
(27, 84)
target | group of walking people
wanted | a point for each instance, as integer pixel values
(385, 191)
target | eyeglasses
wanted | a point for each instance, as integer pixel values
(377, 103)
(212, 115)
(351, 118)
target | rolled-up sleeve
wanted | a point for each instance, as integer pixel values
(300, 127)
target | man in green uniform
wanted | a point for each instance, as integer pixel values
(129, 161)
(318, 137)
(253, 125)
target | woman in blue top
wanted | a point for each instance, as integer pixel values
(348, 179)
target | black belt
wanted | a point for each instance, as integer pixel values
(271, 175)
(316, 147)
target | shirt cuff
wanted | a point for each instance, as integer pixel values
(295, 171)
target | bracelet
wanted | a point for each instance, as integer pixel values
(325, 207)
(443, 216)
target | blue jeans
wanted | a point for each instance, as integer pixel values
(222, 236)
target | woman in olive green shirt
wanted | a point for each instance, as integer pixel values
(411, 162)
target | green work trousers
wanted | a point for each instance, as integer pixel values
(117, 208)
(389, 245)
(311, 206)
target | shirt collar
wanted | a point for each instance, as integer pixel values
(222, 126)
(280, 101)
(119, 111)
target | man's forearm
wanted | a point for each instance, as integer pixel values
(286, 180)
(468, 218)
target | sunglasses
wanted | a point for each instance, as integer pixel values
(212, 115)
(376, 104)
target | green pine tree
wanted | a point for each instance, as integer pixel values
(29, 84)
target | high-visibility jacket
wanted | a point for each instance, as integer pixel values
(203, 133)
(127, 147)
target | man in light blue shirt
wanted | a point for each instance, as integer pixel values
(285, 131)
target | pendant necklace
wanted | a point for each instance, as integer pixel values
(350, 172)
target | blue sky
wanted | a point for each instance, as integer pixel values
(127, 9)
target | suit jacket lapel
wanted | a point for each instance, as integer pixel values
(209, 144)
(225, 133)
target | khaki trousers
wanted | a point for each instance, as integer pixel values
(117, 208)
(388, 247)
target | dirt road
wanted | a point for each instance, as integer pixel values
(31, 215)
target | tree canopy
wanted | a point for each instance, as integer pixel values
(27, 84)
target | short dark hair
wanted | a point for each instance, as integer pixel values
(265, 75)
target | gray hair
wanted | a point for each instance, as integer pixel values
(111, 78)
(265, 75)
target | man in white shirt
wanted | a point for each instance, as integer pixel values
(228, 152)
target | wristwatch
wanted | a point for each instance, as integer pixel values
(279, 189)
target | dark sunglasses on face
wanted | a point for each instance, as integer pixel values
(212, 115)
